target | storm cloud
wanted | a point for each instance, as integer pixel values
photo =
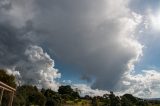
(97, 37)
(29, 62)
(22, 57)
(93, 36)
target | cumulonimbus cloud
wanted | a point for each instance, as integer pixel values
(94, 36)
(97, 37)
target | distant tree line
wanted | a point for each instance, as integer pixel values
(28, 95)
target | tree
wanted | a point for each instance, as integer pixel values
(65, 90)
(51, 102)
(53, 98)
(31, 95)
(106, 99)
(7, 79)
(131, 98)
(68, 93)
(125, 101)
(18, 100)
(114, 100)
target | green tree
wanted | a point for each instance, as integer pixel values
(7, 79)
(53, 98)
(114, 100)
(18, 100)
(126, 102)
(65, 89)
(31, 95)
(68, 93)
(131, 98)
(106, 99)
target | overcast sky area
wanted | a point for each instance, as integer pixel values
(94, 45)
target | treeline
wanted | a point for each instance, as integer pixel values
(28, 95)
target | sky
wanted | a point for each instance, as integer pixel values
(96, 46)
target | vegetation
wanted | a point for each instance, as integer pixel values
(28, 95)
(8, 79)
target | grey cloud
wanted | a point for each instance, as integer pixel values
(5, 4)
(12, 45)
(30, 64)
(89, 35)
(93, 36)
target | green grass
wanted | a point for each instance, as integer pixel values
(78, 103)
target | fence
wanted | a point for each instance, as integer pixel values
(5, 87)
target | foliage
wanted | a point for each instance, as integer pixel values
(7, 79)
(131, 98)
(18, 100)
(68, 93)
(31, 95)
(53, 98)
(65, 90)
(125, 101)
(114, 100)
